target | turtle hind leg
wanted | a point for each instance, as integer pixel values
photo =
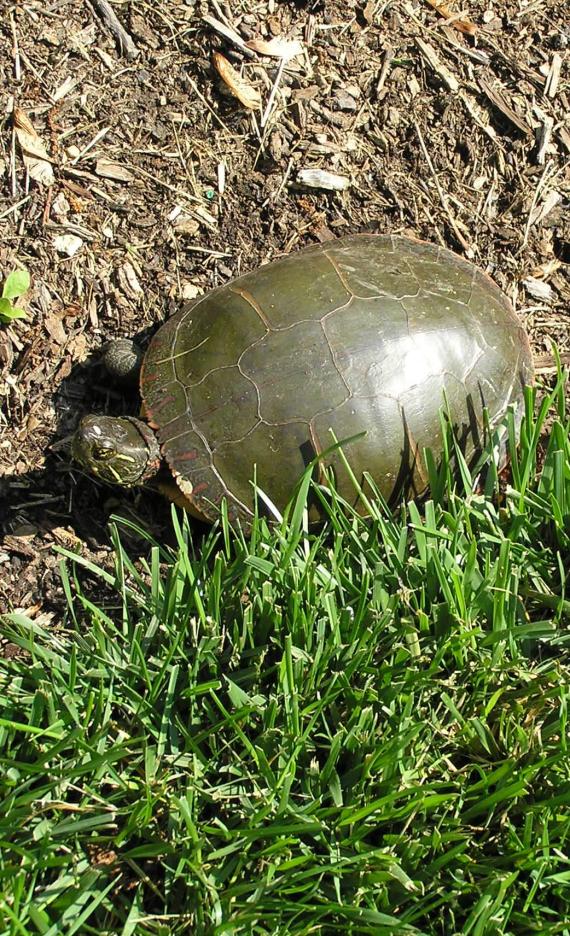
(122, 359)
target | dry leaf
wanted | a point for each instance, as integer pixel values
(36, 159)
(248, 95)
(277, 47)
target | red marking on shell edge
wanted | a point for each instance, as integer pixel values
(166, 401)
(146, 414)
(187, 456)
(200, 488)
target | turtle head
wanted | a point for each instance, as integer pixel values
(118, 450)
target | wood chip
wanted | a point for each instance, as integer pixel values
(369, 12)
(221, 178)
(205, 215)
(141, 29)
(36, 159)
(125, 43)
(564, 137)
(20, 545)
(240, 88)
(60, 207)
(108, 60)
(551, 86)
(129, 280)
(78, 347)
(191, 291)
(319, 178)
(479, 115)
(437, 65)
(186, 225)
(113, 170)
(498, 97)
(538, 289)
(543, 134)
(54, 327)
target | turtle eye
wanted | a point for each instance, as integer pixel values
(103, 453)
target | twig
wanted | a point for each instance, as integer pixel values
(546, 363)
(15, 207)
(230, 34)
(207, 106)
(545, 178)
(47, 206)
(13, 157)
(460, 22)
(98, 136)
(15, 50)
(388, 56)
(268, 109)
(477, 55)
(126, 44)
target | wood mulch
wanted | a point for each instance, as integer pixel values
(132, 177)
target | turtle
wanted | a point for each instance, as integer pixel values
(362, 338)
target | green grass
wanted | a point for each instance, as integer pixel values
(360, 730)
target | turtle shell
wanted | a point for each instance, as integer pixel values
(366, 334)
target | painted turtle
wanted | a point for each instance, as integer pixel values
(367, 333)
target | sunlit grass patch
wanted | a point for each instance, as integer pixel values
(360, 729)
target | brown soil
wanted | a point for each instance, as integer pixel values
(172, 186)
